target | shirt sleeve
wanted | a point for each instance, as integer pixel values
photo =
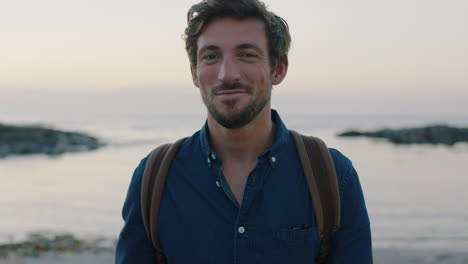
(352, 243)
(133, 245)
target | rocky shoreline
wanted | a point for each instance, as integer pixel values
(25, 140)
(48, 248)
(436, 134)
(40, 243)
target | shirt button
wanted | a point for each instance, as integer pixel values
(241, 229)
(273, 159)
(209, 161)
(217, 184)
(213, 156)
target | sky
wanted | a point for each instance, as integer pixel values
(398, 48)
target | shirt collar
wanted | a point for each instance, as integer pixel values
(272, 153)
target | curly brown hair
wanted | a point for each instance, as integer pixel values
(201, 14)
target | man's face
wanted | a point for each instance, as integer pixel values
(233, 70)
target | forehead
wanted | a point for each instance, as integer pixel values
(230, 32)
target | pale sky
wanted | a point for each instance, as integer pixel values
(398, 47)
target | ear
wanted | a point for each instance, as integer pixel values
(279, 73)
(193, 70)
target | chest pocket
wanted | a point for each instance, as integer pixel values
(284, 246)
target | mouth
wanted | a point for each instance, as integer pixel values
(231, 92)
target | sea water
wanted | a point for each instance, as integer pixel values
(416, 194)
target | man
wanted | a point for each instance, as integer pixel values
(236, 191)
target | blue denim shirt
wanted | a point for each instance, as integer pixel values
(201, 222)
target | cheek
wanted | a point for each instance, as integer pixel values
(207, 75)
(257, 71)
(259, 75)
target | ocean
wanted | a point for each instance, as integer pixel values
(415, 194)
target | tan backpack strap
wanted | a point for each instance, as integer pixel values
(320, 174)
(152, 187)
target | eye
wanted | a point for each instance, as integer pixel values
(210, 57)
(248, 55)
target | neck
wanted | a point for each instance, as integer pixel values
(242, 145)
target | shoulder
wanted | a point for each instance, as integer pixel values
(186, 144)
(138, 174)
(345, 171)
(341, 162)
(134, 188)
(182, 151)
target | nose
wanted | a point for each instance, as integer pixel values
(229, 71)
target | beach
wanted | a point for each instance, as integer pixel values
(419, 256)
(381, 256)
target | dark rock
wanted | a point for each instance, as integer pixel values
(23, 140)
(437, 134)
(38, 243)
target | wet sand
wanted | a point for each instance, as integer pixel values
(381, 256)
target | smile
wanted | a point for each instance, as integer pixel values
(231, 92)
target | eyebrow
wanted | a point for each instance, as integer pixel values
(209, 47)
(250, 46)
(239, 47)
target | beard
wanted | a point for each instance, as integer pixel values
(233, 118)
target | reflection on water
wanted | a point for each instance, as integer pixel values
(415, 194)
